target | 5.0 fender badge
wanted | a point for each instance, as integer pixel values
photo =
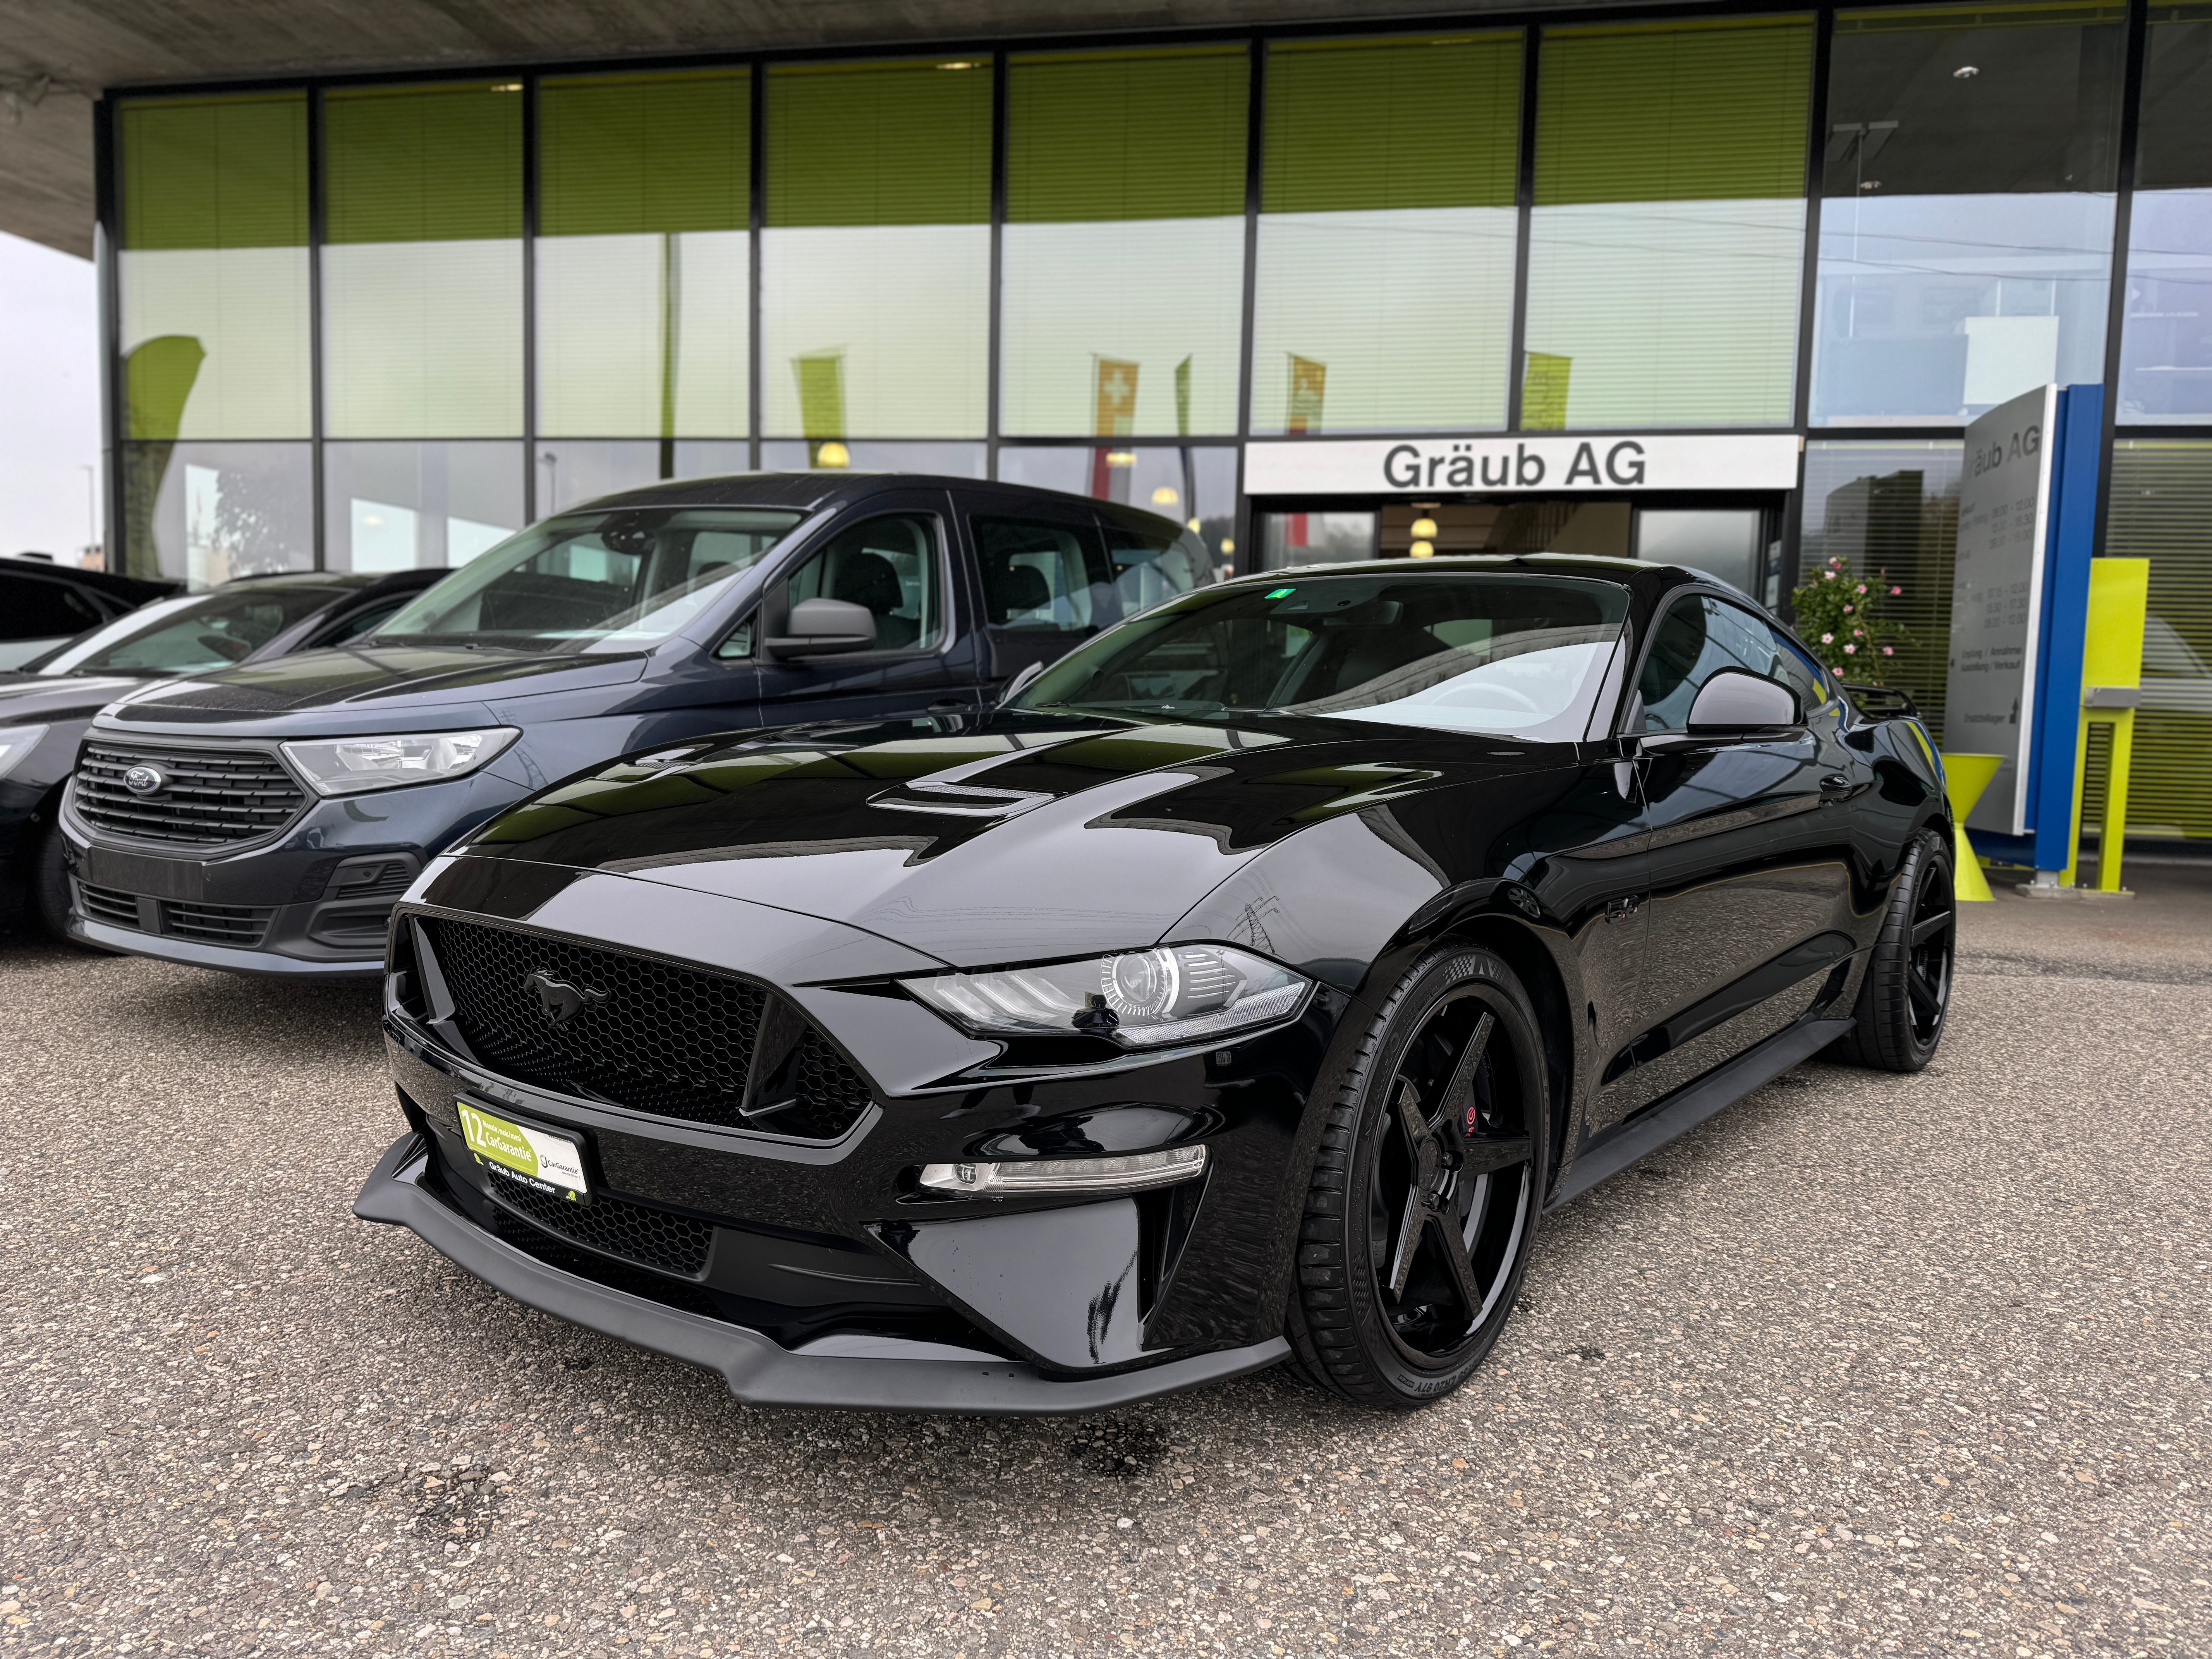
(561, 1000)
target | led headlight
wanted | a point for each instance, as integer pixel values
(1131, 1172)
(348, 766)
(15, 742)
(1141, 999)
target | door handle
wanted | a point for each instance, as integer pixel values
(1837, 787)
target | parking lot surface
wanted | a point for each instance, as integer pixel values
(1866, 1364)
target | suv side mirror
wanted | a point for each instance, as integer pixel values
(822, 628)
(1735, 701)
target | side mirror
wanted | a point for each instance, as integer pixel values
(1735, 701)
(823, 627)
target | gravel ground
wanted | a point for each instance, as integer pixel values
(1866, 1364)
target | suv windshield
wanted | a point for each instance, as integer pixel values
(190, 635)
(608, 581)
(1521, 656)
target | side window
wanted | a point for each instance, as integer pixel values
(891, 565)
(1153, 564)
(1042, 575)
(1800, 673)
(1698, 636)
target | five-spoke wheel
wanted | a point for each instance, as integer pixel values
(1426, 1187)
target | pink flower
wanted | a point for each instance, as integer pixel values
(1858, 632)
(1847, 609)
(1850, 650)
(1862, 588)
(1889, 651)
(1894, 592)
(1827, 639)
(1828, 575)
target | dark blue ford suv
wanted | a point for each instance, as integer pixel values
(264, 819)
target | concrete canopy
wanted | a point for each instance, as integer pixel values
(57, 58)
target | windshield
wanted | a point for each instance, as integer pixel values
(189, 636)
(591, 581)
(1514, 655)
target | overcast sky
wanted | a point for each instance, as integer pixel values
(49, 397)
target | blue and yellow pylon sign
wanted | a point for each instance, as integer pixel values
(2111, 686)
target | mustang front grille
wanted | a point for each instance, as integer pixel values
(678, 1042)
(204, 797)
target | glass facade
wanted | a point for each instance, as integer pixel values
(1967, 190)
(1387, 234)
(422, 262)
(876, 260)
(2165, 343)
(380, 327)
(1666, 240)
(1121, 301)
(643, 259)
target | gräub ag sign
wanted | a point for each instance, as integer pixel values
(1608, 465)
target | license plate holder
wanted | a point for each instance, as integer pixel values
(549, 1160)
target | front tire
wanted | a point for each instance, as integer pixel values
(1426, 1188)
(47, 900)
(1906, 994)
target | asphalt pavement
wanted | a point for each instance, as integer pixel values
(1866, 1364)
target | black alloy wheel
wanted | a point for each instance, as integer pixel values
(1906, 993)
(1426, 1188)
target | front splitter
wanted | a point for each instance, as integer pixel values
(758, 1369)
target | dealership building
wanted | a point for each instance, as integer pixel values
(1715, 285)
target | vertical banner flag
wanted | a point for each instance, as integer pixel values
(1308, 381)
(1997, 593)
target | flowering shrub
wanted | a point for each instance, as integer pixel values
(1840, 615)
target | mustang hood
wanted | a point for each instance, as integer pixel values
(374, 679)
(978, 848)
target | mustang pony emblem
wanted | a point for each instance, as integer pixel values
(561, 1000)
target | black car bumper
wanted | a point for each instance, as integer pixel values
(816, 1237)
(760, 1371)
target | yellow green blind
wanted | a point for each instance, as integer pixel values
(202, 173)
(1396, 123)
(423, 164)
(1126, 135)
(1899, 19)
(906, 142)
(1712, 110)
(2161, 510)
(633, 154)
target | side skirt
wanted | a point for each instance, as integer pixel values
(1692, 1105)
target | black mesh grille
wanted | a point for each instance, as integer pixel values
(676, 1041)
(650, 1237)
(216, 924)
(206, 796)
(106, 904)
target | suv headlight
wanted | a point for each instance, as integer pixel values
(349, 766)
(1141, 999)
(15, 742)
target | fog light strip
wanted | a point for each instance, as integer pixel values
(1132, 1173)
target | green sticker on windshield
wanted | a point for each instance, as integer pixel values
(1282, 593)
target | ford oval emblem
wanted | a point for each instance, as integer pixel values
(143, 779)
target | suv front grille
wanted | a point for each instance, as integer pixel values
(675, 1042)
(652, 1239)
(211, 796)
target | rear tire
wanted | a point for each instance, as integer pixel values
(1435, 1145)
(1905, 996)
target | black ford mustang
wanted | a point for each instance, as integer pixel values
(1248, 986)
